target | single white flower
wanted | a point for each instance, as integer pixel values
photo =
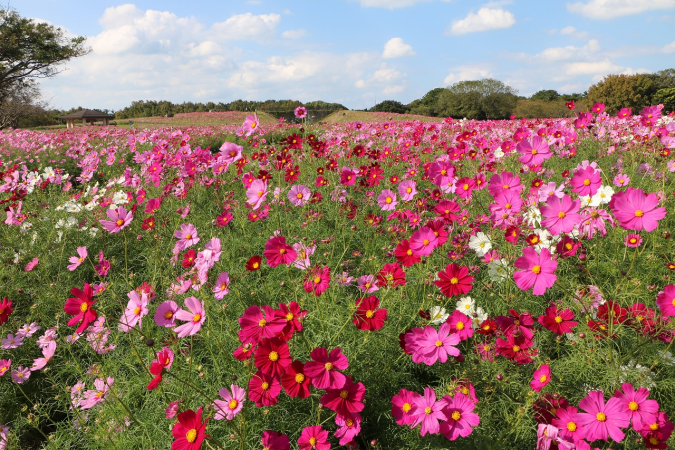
(438, 315)
(480, 243)
(466, 305)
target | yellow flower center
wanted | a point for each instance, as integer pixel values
(260, 193)
(408, 190)
(515, 348)
(188, 236)
(265, 386)
(299, 196)
(168, 315)
(274, 356)
(558, 319)
(289, 316)
(543, 378)
(299, 378)
(561, 215)
(370, 314)
(262, 323)
(233, 404)
(137, 311)
(601, 417)
(639, 213)
(119, 222)
(465, 187)
(587, 182)
(426, 242)
(197, 318)
(456, 415)
(439, 343)
(191, 435)
(328, 366)
(83, 307)
(406, 407)
(427, 410)
(388, 200)
(633, 406)
(344, 394)
(312, 441)
(571, 426)
(454, 280)
(317, 280)
(654, 426)
(460, 325)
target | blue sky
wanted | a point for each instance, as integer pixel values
(354, 52)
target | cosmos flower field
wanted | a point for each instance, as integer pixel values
(389, 285)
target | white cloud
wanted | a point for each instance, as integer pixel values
(485, 19)
(294, 34)
(669, 48)
(396, 48)
(248, 26)
(568, 30)
(466, 73)
(395, 89)
(568, 52)
(631, 71)
(610, 9)
(604, 67)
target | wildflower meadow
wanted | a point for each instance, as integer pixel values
(392, 285)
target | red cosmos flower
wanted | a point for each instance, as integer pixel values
(516, 323)
(294, 380)
(5, 310)
(346, 400)
(611, 309)
(189, 258)
(317, 280)
(405, 255)
(253, 263)
(546, 406)
(447, 209)
(224, 218)
(255, 326)
(324, 368)
(391, 275)
(455, 280)
(80, 307)
(293, 315)
(292, 174)
(189, 432)
(367, 317)
(559, 322)
(149, 223)
(272, 357)
(513, 347)
(277, 251)
(488, 326)
(567, 247)
(159, 365)
(263, 390)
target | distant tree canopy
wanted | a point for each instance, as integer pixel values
(547, 95)
(634, 91)
(485, 99)
(152, 108)
(390, 106)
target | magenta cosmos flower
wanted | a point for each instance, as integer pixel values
(402, 404)
(232, 404)
(299, 195)
(277, 251)
(194, 319)
(427, 411)
(636, 210)
(272, 440)
(346, 400)
(324, 368)
(560, 214)
(313, 438)
(460, 416)
(119, 219)
(387, 200)
(221, 287)
(602, 420)
(642, 412)
(423, 242)
(165, 314)
(541, 377)
(300, 112)
(538, 271)
(533, 153)
(76, 261)
(666, 300)
(435, 345)
(586, 181)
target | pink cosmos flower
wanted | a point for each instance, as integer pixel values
(47, 355)
(538, 271)
(427, 411)
(560, 214)
(272, 440)
(460, 416)
(423, 242)
(299, 195)
(277, 251)
(387, 200)
(407, 190)
(256, 326)
(187, 237)
(20, 374)
(505, 181)
(98, 395)
(534, 153)
(300, 112)
(568, 423)
(31, 265)
(250, 125)
(119, 219)
(367, 284)
(317, 280)
(586, 181)
(11, 342)
(195, 318)
(402, 405)
(632, 240)
(313, 438)
(636, 210)
(230, 152)
(256, 193)
(5, 364)
(541, 377)
(603, 420)
(621, 180)
(435, 345)
(546, 435)
(221, 286)
(76, 261)
(346, 400)
(232, 404)
(172, 409)
(137, 307)
(348, 428)
(323, 369)
(460, 324)
(642, 412)
(666, 300)
(165, 316)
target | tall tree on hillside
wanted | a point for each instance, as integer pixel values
(485, 99)
(547, 95)
(623, 91)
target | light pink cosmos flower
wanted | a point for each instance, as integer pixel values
(436, 345)
(119, 219)
(561, 215)
(98, 395)
(172, 409)
(137, 307)
(546, 435)
(427, 411)
(230, 152)
(31, 265)
(299, 195)
(232, 405)
(304, 252)
(621, 180)
(187, 237)
(407, 190)
(27, 331)
(636, 210)
(11, 342)
(195, 318)
(256, 193)
(601, 420)
(250, 125)
(367, 284)
(47, 354)
(221, 287)
(387, 200)
(344, 279)
(538, 271)
(165, 316)
(20, 375)
(76, 261)
(300, 112)
(533, 153)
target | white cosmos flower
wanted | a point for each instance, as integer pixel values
(498, 270)
(480, 243)
(478, 317)
(532, 216)
(466, 305)
(438, 315)
(604, 195)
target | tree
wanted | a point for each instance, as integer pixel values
(665, 96)
(390, 106)
(30, 50)
(485, 99)
(20, 101)
(623, 91)
(547, 95)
